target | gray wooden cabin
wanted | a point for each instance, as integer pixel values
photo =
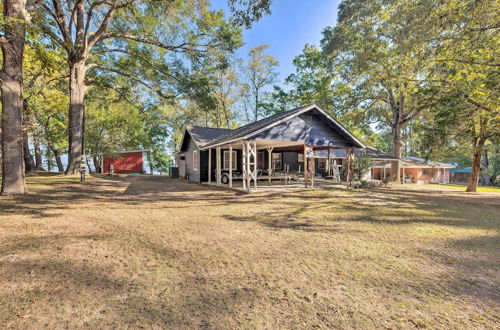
(266, 148)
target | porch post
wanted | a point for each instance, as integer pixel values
(305, 166)
(353, 159)
(217, 162)
(312, 167)
(328, 163)
(384, 172)
(210, 165)
(251, 150)
(244, 165)
(255, 170)
(270, 162)
(230, 166)
(403, 174)
(349, 164)
(249, 176)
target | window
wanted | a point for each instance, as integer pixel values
(226, 160)
(300, 158)
(322, 163)
(195, 160)
(277, 161)
(426, 171)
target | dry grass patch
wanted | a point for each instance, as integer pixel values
(154, 252)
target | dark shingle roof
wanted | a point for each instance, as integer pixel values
(370, 152)
(203, 135)
(375, 153)
(415, 162)
(250, 128)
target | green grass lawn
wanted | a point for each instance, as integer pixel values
(479, 188)
(151, 252)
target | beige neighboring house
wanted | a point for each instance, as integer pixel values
(415, 170)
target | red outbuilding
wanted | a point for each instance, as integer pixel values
(125, 162)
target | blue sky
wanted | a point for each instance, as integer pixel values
(292, 24)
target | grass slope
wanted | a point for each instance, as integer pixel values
(153, 252)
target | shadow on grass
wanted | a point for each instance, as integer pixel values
(50, 193)
(325, 211)
(187, 289)
(384, 206)
(71, 286)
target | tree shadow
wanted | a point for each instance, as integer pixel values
(36, 278)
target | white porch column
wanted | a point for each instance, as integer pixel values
(270, 162)
(210, 165)
(249, 175)
(384, 172)
(217, 162)
(244, 165)
(403, 174)
(230, 166)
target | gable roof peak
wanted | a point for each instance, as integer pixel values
(255, 127)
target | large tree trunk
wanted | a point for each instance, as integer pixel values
(256, 106)
(485, 179)
(29, 162)
(38, 156)
(149, 157)
(397, 143)
(97, 164)
(476, 166)
(57, 156)
(76, 115)
(11, 79)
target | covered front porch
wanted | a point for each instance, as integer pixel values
(266, 164)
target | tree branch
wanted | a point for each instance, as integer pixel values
(142, 40)
(61, 20)
(140, 81)
(467, 62)
(54, 37)
(60, 25)
(484, 28)
(145, 59)
(105, 22)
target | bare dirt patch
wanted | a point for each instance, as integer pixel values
(154, 252)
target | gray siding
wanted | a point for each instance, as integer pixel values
(309, 128)
(192, 172)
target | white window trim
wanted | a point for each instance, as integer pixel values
(195, 160)
(235, 163)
